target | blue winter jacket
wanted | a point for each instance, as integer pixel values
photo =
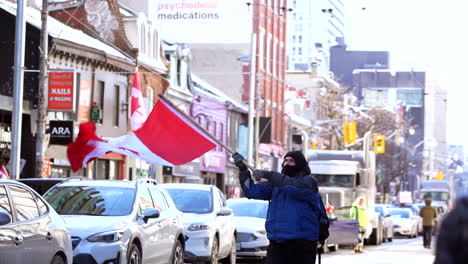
(295, 206)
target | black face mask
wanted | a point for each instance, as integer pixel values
(291, 171)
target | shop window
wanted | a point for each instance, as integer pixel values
(106, 169)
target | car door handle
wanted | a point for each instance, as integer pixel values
(49, 236)
(159, 224)
(18, 241)
(174, 221)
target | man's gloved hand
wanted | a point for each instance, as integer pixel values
(238, 158)
(259, 174)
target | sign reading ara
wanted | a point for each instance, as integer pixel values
(61, 132)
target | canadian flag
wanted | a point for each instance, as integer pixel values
(137, 107)
(166, 138)
(3, 173)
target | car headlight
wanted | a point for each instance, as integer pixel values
(108, 237)
(198, 227)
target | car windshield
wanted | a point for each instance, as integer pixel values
(192, 201)
(400, 213)
(334, 180)
(249, 209)
(91, 200)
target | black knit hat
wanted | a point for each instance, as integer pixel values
(301, 162)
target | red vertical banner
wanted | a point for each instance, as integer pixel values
(61, 96)
(46, 168)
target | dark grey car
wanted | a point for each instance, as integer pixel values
(30, 230)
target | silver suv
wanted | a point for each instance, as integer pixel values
(30, 230)
(120, 221)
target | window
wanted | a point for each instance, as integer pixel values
(145, 200)
(91, 200)
(294, 51)
(220, 136)
(99, 99)
(25, 204)
(116, 115)
(294, 39)
(142, 38)
(42, 206)
(106, 169)
(159, 201)
(275, 57)
(148, 100)
(268, 59)
(300, 51)
(300, 39)
(155, 45)
(4, 202)
(261, 48)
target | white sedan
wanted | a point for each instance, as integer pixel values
(250, 217)
(208, 222)
(404, 222)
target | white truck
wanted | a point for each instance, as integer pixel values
(345, 175)
(438, 191)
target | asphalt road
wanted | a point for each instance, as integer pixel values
(399, 251)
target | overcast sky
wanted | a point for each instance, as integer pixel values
(419, 34)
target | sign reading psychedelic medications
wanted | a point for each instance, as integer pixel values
(203, 21)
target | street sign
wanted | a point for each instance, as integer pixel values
(61, 96)
(61, 132)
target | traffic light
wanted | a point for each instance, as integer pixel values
(349, 132)
(379, 143)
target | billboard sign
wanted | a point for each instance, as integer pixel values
(202, 21)
(61, 96)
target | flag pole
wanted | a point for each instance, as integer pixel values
(189, 118)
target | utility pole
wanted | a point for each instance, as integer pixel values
(253, 53)
(18, 89)
(43, 77)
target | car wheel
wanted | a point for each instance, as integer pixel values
(134, 255)
(58, 260)
(178, 254)
(214, 252)
(231, 258)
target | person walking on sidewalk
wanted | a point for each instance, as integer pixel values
(428, 214)
(359, 212)
(295, 212)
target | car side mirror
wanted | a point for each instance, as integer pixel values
(224, 212)
(388, 215)
(150, 213)
(5, 218)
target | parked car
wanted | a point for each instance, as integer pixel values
(404, 222)
(387, 220)
(30, 229)
(208, 222)
(126, 222)
(415, 209)
(250, 217)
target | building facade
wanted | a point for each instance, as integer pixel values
(313, 27)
